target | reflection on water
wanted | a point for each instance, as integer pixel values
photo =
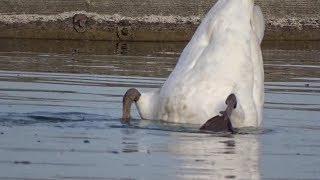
(207, 157)
(60, 103)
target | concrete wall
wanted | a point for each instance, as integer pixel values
(144, 20)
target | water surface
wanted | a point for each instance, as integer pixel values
(60, 109)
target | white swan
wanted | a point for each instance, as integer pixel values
(222, 58)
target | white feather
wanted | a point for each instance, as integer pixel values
(223, 57)
(258, 23)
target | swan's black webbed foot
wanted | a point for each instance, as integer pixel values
(222, 122)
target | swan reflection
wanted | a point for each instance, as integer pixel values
(167, 151)
(207, 157)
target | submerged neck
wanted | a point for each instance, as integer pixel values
(132, 95)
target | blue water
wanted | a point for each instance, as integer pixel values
(60, 115)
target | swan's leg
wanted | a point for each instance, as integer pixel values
(222, 122)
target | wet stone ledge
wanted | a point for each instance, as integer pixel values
(153, 20)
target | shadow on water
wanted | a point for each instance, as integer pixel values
(47, 118)
(60, 104)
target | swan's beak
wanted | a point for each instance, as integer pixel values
(132, 95)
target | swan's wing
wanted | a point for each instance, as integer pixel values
(258, 23)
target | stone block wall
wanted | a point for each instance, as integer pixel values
(144, 20)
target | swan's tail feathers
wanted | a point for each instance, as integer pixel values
(258, 23)
(222, 122)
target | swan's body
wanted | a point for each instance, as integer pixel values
(223, 57)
